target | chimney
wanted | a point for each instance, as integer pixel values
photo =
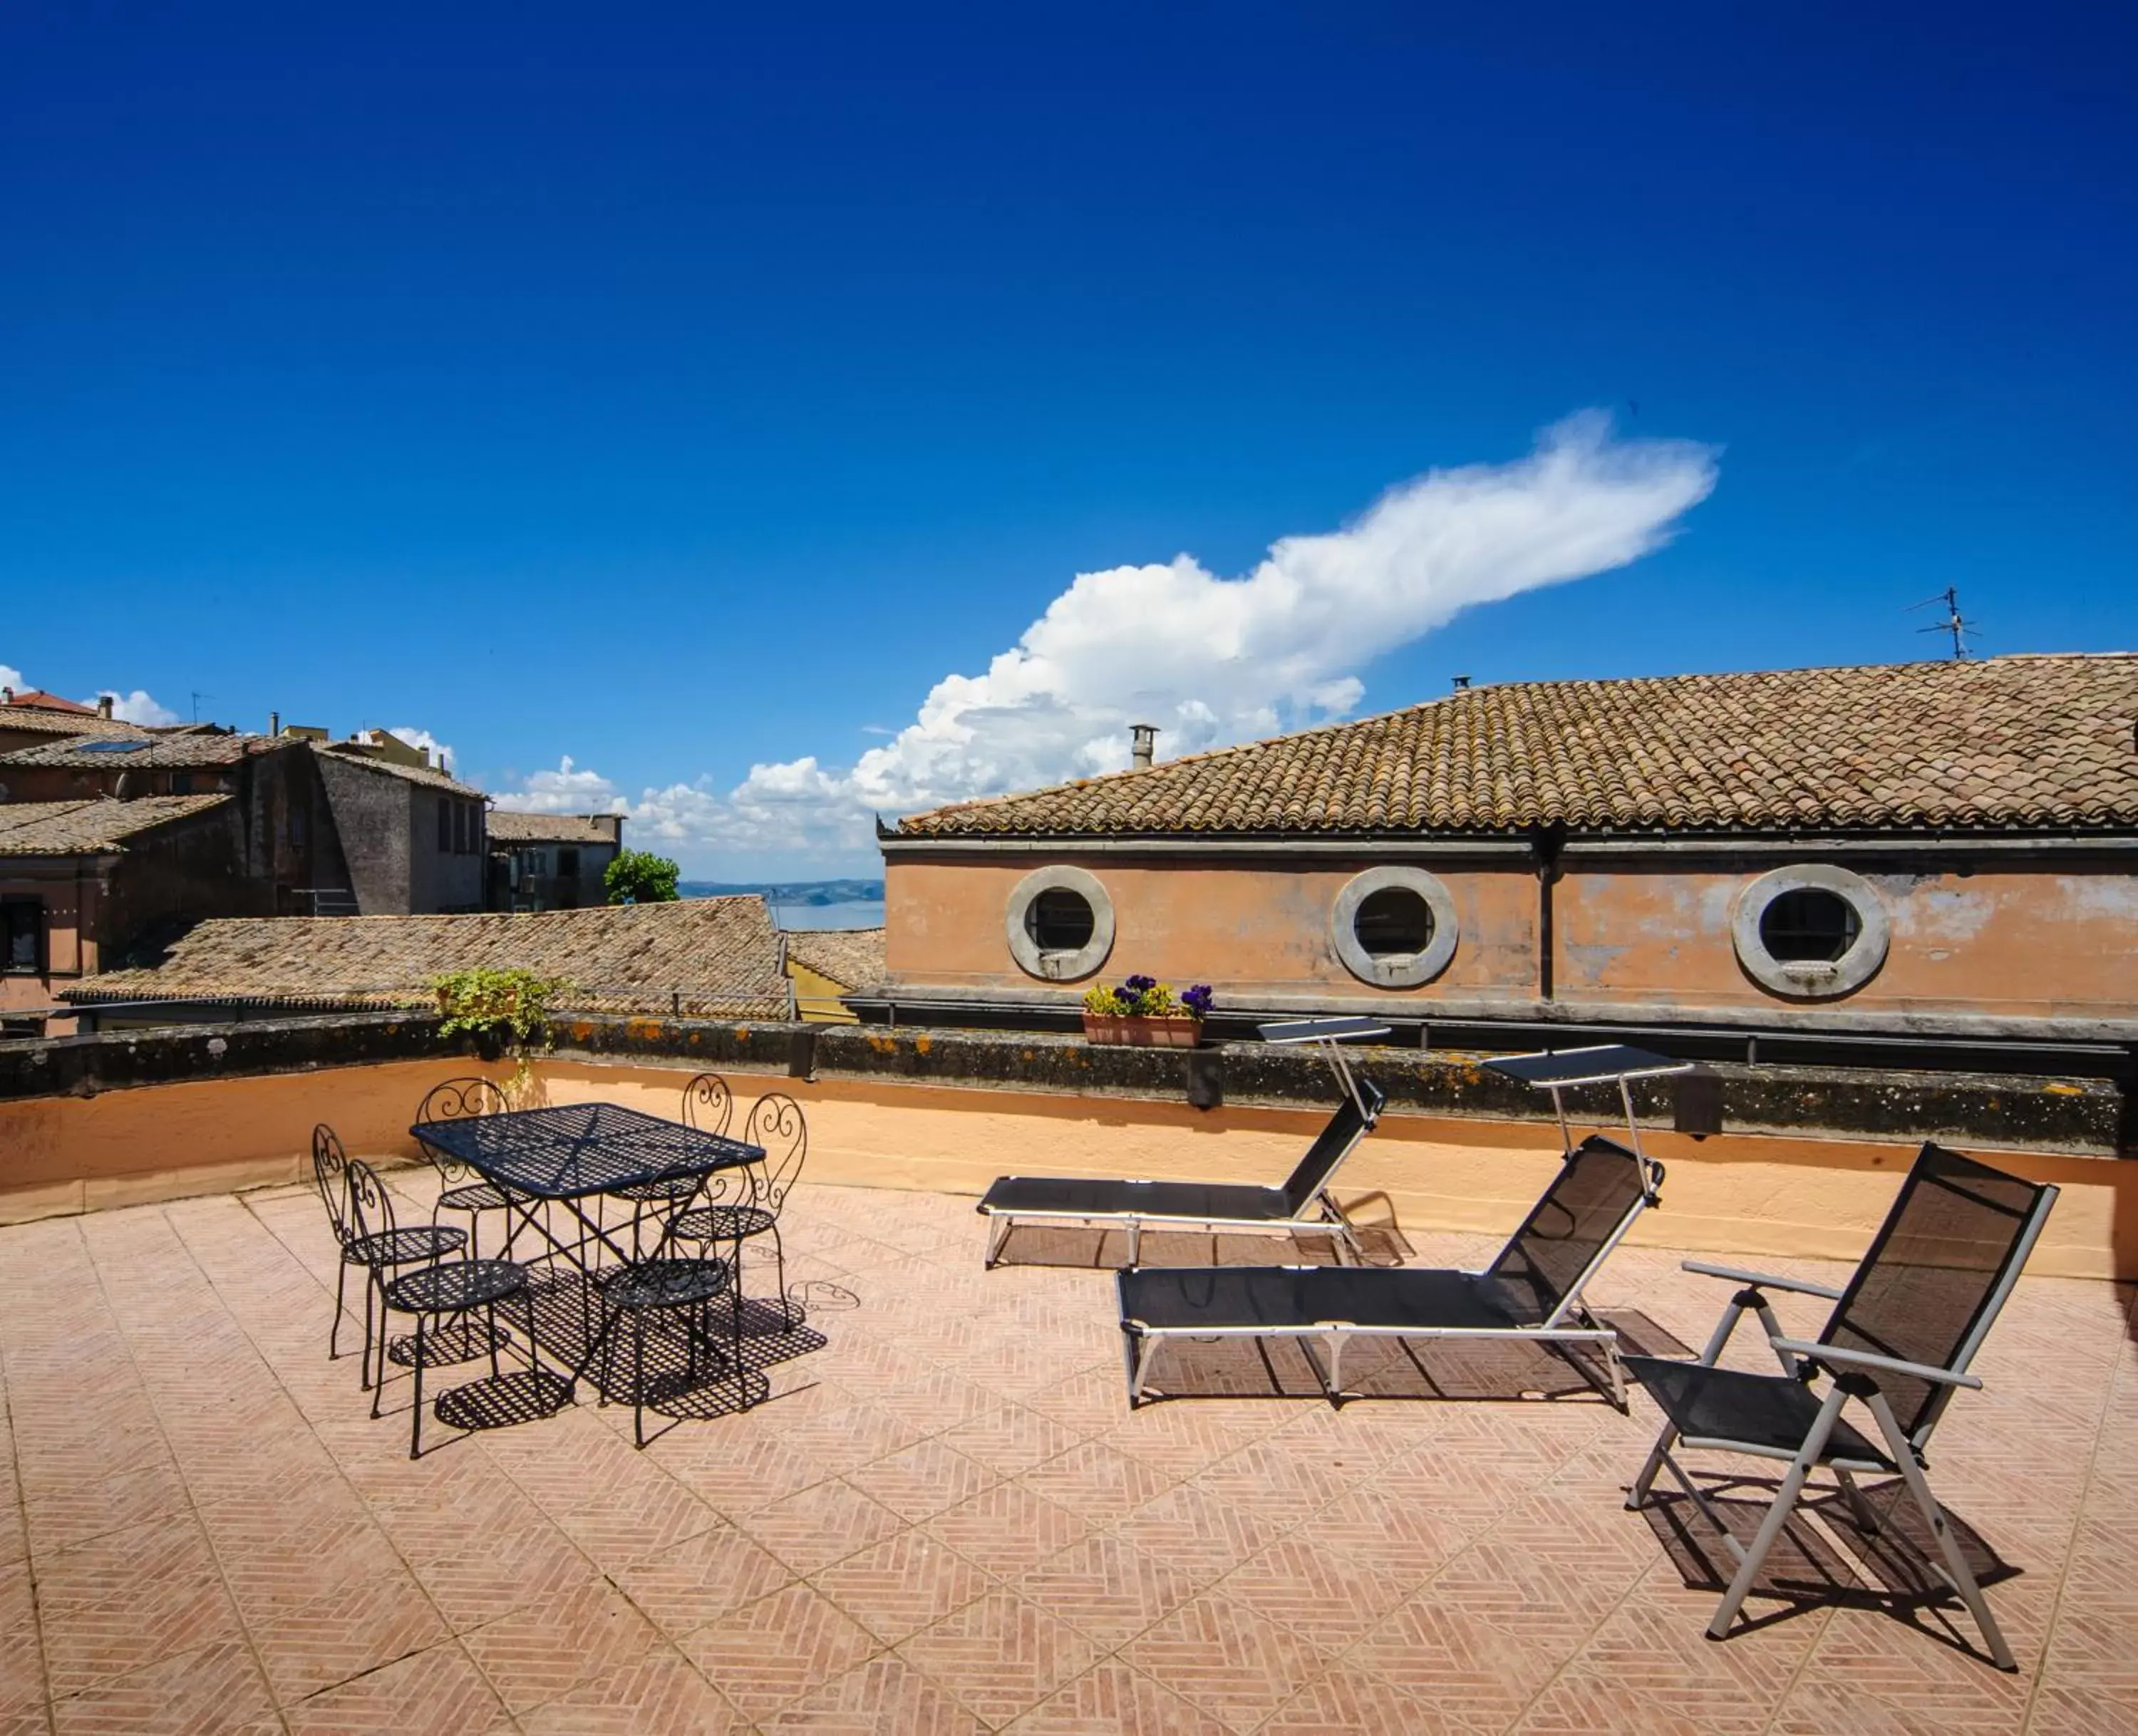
(1461, 682)
(423, 755)
(274, 723)
(6, 695)
(1143, 745)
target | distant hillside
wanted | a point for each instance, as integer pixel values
(800, 892)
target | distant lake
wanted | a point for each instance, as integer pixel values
(860, 914)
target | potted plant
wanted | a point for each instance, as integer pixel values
(501, 1013)
(1143, 1012)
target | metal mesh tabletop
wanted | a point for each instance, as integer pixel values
(581, 1148)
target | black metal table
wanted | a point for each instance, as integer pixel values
(567, 1156)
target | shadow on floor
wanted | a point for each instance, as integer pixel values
(1097, 1248)
(1824, 1557)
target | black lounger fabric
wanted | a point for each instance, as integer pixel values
(1589, 1198)
(1190, 1298)
(1201, 1201)
(1193, 1202)
(1731, 1404)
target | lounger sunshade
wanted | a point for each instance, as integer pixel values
(1533, 1290)
(1303, 1202)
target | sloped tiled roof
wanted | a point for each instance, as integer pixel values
(507, 826)
(2019, 742)
(43, 701)
(156, 752)
(86, 828)
(34, 719)
(714, 958)
(429, 776)
(852, 957)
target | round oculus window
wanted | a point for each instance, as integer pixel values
(1060, 923)
(1810, 932)
(1393, 928)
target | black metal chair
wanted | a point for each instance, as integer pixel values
(1899, 1342)
(455, 1288)
(708, 1105)
(777, 1126)
(647, 1288)
(377, 1253)
(460, 1188)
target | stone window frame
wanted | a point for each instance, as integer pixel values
(1807, 980)
(1059, 967)
(1400, 970)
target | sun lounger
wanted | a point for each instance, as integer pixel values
(1303, 1202)
(1532, 1291)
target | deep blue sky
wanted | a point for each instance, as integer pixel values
(677, 390)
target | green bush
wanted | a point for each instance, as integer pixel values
(498, 1004)
(639, 877)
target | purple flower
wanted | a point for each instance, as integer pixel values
(1198, 999)
(1139, 986)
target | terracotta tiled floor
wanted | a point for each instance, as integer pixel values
(946, 1519)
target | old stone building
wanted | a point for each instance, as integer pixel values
(1932, 847)
(551, 861)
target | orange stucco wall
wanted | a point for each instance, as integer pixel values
(1258, 928)
(2035, 943)
(1732, 1194)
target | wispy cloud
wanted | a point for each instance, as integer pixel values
(1210, 660)
(442, 754)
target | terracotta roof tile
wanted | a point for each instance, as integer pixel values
(85, 828)
(852, 957)
(28, 718)
(507, 826)
(2014, 742)
(430, 776)
(154, 752)
(714, 958)
(37, 699)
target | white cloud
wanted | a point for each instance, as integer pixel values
(136, 707)
(565, 791)
(441, 755)
(12, 678)
(1211, 660)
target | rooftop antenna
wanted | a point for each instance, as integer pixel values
(197, 697)
(1955, 623)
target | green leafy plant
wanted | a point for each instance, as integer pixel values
(639, 877)
(499, 1005)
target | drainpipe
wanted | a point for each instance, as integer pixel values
(1546, 844)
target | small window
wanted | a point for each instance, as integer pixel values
(567, 864)
(181, 783)
(1060, 921)
(21, 937)
(444, 824)
(1393, 922)
(1810, 925)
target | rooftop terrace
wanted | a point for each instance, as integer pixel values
(946, 1519)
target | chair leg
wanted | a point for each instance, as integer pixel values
(638, 1383)
(333, 1331)
(1638, 1495)
(790, 1313)
(416, 1410)
(376, 1381)
(1135, 1242)
(1955, 1561)
(998, 1229)
(1778, 1515)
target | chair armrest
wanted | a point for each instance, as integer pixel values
(1875, 1364)
(1763, 1280)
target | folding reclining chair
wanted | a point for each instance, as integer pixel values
(1304, 1202)
(1899, 1342)
(1532, 1290)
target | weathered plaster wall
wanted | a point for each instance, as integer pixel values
(2045, 942)
(1248, 928)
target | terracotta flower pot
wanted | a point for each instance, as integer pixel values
(1143, 1033)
